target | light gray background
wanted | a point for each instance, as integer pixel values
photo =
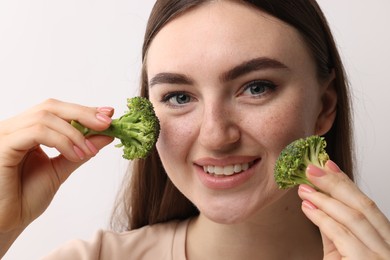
(88, 52)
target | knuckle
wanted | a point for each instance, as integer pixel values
(367, 204)
(50, 102)
(357, 216)
(338, 181)
(38, 129)
(42, 115)
(48, 105)
(343, 179)
(65, 141)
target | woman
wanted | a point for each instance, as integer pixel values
(232, 83)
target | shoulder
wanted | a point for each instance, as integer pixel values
(162, 241)
(158, 238)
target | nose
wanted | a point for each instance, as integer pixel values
(220, 128)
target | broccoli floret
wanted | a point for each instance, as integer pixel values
(138, 129)
(290, 167)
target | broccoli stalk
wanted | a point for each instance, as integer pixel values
(290, 166)
(137, 130)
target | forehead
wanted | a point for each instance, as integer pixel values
(226, 31)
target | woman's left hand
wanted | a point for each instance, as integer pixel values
(351, 225)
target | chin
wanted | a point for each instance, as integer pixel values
(229, 213)
(238, 211)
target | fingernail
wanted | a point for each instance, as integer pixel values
(315, 171)
(105, 110)
(91, 146)
(306, 188)
(79, 152)
(104, 118)
(333, 166)
(307, 204)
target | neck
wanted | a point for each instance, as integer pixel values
(279, 231)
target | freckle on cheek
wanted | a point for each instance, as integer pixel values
(174, 136)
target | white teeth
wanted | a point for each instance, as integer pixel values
(226, 170)
(218, 170)
(237, 168)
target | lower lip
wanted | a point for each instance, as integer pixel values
(225, 182)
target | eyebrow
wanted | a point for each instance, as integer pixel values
(246, 67)
(256, 64)
(170, 78)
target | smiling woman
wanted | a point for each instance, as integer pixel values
(235, 89)
(232, 83)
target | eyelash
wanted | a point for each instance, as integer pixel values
(266, 86)
(167, 99)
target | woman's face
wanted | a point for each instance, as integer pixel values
(231, 86)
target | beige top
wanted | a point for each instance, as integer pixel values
(160, 241)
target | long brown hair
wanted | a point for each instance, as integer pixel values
(148, 196)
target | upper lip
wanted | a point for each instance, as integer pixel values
(205, 161)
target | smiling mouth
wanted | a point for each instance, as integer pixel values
(227, 170)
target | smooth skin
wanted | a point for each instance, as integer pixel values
(29, 178)
(218, 109)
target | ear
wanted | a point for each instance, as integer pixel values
(328, 109)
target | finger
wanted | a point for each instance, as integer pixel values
(20, 142)
(350, 218)
(95, 118)
(92, 117)
(346, 243)
(339, 186)
(46, 119)
(64, 167)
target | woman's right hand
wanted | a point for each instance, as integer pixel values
(29, 178)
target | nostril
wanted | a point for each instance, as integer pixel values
(219, 128)
(219, 136)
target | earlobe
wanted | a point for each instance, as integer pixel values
(328, 111)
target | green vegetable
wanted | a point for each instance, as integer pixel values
(290, 167)
(138, 129)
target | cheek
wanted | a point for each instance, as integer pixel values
(283, 123)
(176, 138)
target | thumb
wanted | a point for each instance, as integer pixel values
(330, 250)
(64, 168)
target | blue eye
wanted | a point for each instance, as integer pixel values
(258, 88)
(177, 98)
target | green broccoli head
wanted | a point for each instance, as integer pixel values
(138, 129)
(290, 166)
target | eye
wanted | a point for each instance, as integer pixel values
(258, 88)
(176, 99)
